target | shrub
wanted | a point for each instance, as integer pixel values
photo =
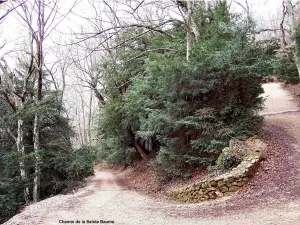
(227, 159)
(11, 197)
(114, 152)
(285, 70)
(81, 163)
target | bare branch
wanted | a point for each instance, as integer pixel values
(148, 27)
(138, 5)
(11, 134)
(10, 10)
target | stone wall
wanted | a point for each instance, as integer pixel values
(221, 185)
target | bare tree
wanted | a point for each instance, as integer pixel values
(87, 68)
(292, 18)
(110, 18)
(88, 79)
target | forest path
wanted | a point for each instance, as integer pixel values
(278, 100)
(272, 197)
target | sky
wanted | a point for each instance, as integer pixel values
(11, 30)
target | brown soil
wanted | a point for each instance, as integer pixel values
(143, 179)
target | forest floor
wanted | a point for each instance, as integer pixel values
(271, 197)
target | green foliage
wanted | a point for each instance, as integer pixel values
(61, 163)
(296, 39)
(11, 197)
(116, 125)
(285, 70)
(227, 159)
(284, 66)
(191, 109)
(116, 153)
(11, 184)
(81, 163)
(195, 108)
(221, 12)
(279, 65)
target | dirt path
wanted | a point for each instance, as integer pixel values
(272, 196)
(278, 100)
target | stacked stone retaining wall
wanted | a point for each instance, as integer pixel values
(218, 186)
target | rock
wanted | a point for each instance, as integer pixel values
(245, 179)
(246, 171)
(206, 197)
(211, 189)
(221, 183)
(233, 188)
(228, 184)
(227, 193)
(230, 179)
(253, 161)
(224, 189)
(219, 194)
(213, 183)
(212, 195)
(240, 184)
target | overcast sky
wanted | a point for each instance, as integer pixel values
(12, 30)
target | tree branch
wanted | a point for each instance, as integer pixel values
(10, 10)
(148, 27)
(11, 134)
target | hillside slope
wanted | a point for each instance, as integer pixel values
(271, 197)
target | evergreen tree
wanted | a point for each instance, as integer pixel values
(62, 164)
(186, 112)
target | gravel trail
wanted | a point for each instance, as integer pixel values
(272, 197)
(278, 100)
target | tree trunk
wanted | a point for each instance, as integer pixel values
(90, 118)
(283, 42)
(99, 96)
(85, 131)
(79, 127)
(37, 168)
(293, 24)
(140, 150)
(63, 73)
(21, 151)
(188, 30)
(36, 126)
(297, 60)
(137, 145)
